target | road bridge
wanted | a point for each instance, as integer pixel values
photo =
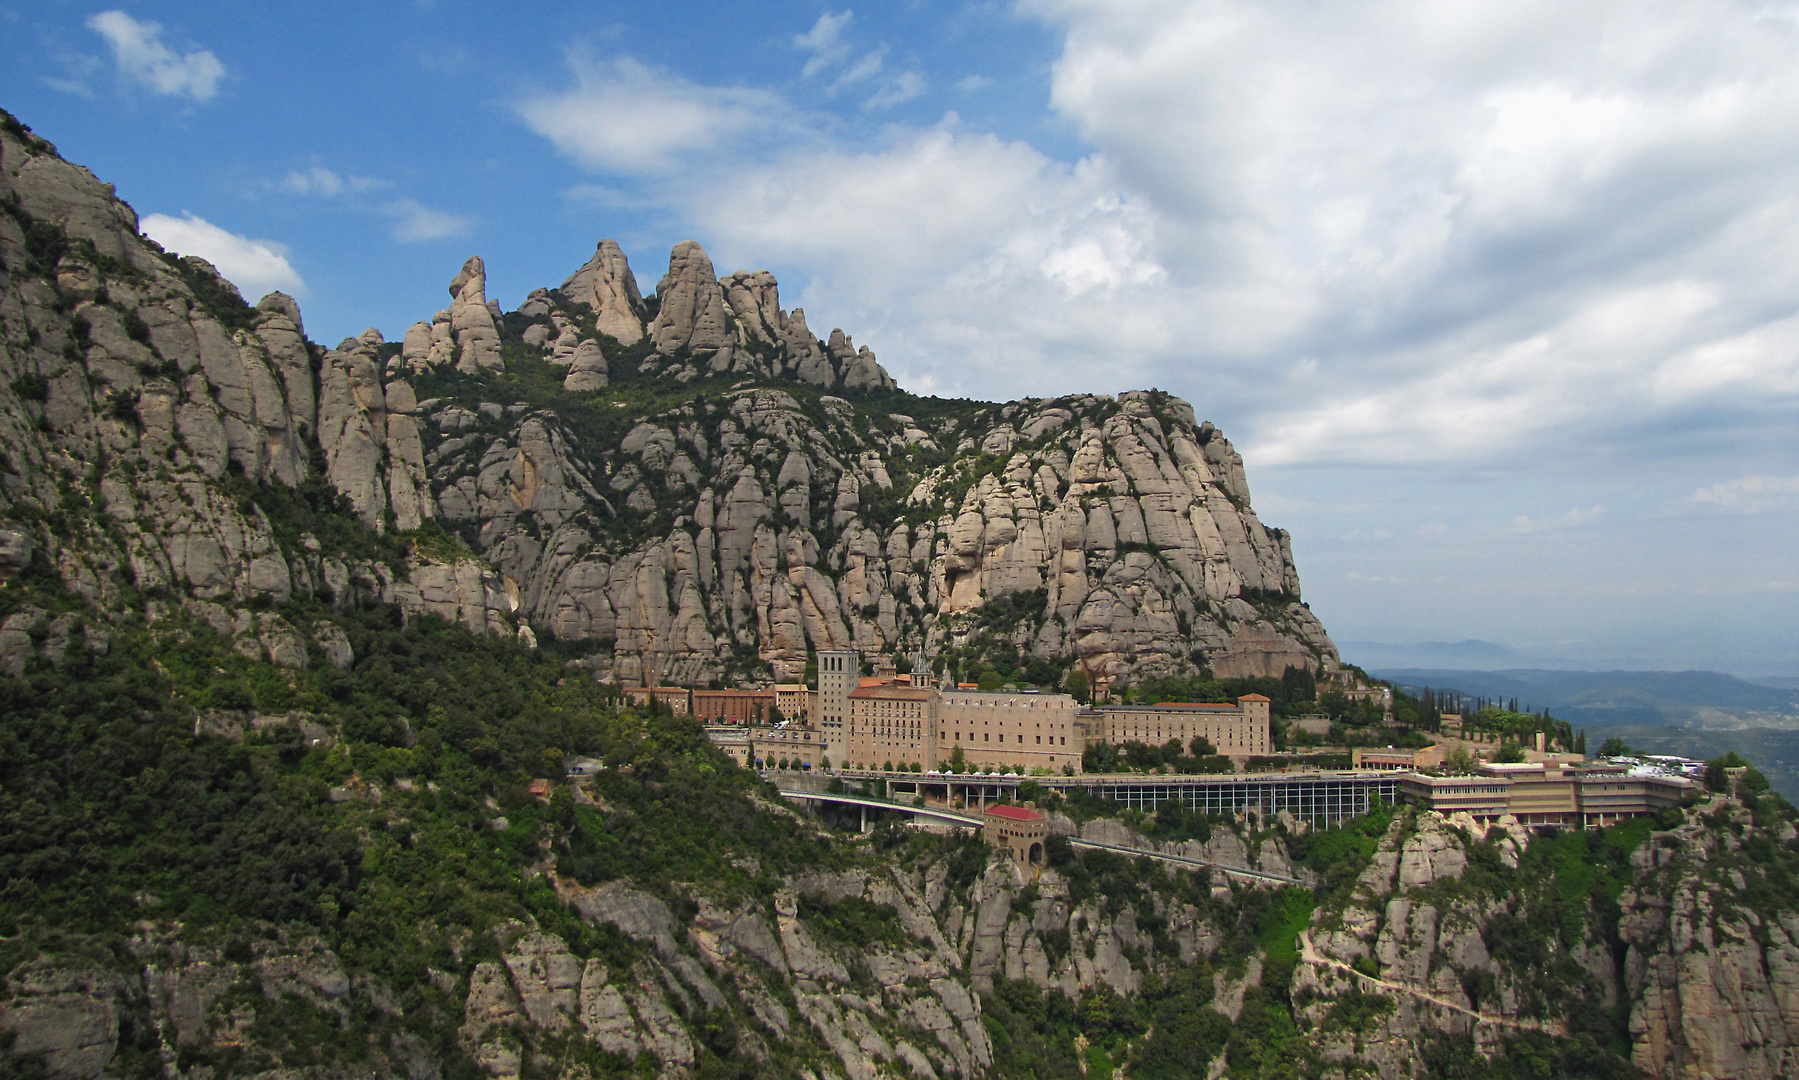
(1319, 798)
(953, 818)
(866, 802)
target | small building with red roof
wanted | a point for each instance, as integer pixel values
(1020, 831)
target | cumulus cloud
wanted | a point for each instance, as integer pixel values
(1477, 222)
(415, 222)
(1380, 231)
(143, 59)
(1752, 494)
(256, 267)
(624, 116)
(948, 244)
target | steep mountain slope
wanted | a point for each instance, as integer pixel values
(284, 768)
(692, 482)
(368, 885)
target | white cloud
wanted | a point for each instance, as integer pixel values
(79, 69)
(830, 48)
(623, 116)
(1478, 221)
(1575, 516)
(945, 243)
(69, 86)
(969, 84)
(862, 70)
(145, 60)
(901, 88)
(1752, 494)
(825, 42)
(1382, 231)
(256, 267)
(415, 222)
(319, 180)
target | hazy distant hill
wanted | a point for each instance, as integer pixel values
(1469, 655)
(1625, 696)
(1696, 713)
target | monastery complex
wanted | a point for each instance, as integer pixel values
(888, 721)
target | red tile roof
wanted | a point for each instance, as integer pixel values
(1014, 813)
(1252, 697)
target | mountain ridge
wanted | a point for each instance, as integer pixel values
(711, 497)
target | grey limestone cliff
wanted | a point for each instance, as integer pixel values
(794, 504)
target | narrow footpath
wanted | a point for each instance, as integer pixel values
(1310, 954)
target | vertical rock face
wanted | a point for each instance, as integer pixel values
(1712, 973)
(408, 488)
(472, 321)
(691, 311)
(370, 436)
(1108, 519)
(606, 282)
(353, 428)
(1705, 974)
(147, 376)
(135, 381)
(755, 299)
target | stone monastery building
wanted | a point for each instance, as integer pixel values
(871, 723)
(861, 722)
(1241, 729)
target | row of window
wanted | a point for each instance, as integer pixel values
(956, 737)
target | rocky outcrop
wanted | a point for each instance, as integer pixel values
(1712, 973)
(1705, 974)
(607, 285)
(691, 304)
(1123, 524)
(373, 453)
(70, 1015)
(587, 371)
(742, 529)
(477, 342)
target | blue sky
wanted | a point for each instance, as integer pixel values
(1499, 299)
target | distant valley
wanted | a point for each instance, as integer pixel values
(1696, 713)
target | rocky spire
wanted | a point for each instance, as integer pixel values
(755, 298)
(691, 311)
(472, 321)
(606, 283)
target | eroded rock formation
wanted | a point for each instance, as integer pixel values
(790, 509)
